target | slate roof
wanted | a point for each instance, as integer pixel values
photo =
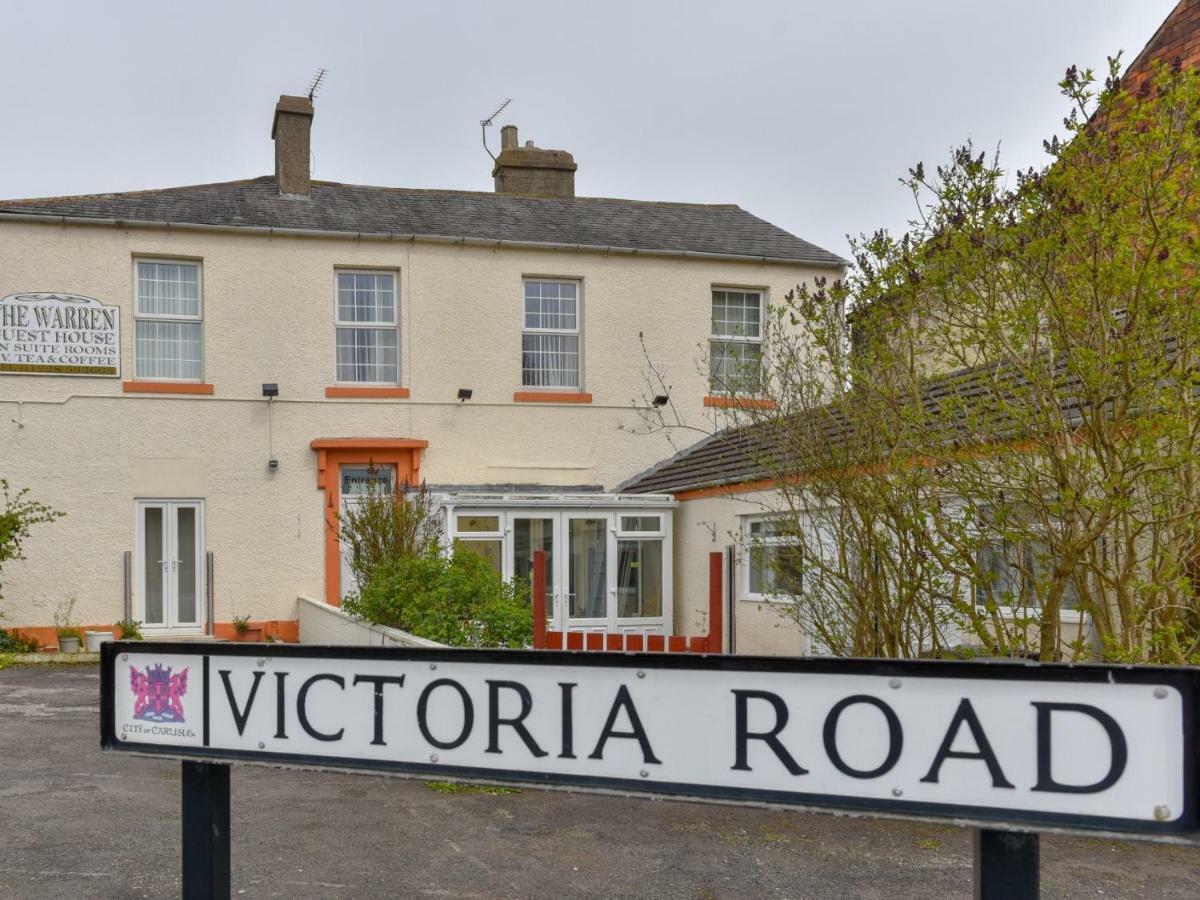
(581, 222)
(968, 405)
(732, 456)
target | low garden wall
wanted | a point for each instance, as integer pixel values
(321, 623)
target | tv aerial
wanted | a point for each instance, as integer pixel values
(485, 124)
(315, 84)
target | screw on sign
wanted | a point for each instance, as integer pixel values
(1010, 749)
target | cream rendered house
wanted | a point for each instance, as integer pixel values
(200, 376)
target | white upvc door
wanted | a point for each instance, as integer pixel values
(170, 582)
(587, 573)
(525, 532)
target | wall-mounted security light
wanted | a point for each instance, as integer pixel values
(270, 390)
(464, 394)
(661, 400)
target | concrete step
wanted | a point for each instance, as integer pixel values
(183, 638)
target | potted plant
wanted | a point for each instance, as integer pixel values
(244, 632)
(67, 629)
(69, 640)
(93, 639)
(130, 629)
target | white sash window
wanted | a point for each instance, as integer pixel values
(735, 348)
(168, 328)
(550, 339)
(367, 333)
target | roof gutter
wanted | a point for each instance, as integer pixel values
(266, 231)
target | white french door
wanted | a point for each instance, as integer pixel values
(607, 571)
(529, 531)
(170, 583)
(586, 568)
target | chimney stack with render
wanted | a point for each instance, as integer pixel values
(531, 171)
(290, 131)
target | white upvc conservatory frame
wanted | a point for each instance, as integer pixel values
(562, 507)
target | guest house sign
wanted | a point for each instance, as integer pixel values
(59, 334)
(1092, 747)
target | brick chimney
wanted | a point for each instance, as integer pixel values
(531, 171)
(290, 131)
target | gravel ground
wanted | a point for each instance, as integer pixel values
(76, 822)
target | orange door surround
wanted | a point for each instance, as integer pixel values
(332, 453)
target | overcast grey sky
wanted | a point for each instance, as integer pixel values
(803, 112)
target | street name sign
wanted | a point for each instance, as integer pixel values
(1025, 746)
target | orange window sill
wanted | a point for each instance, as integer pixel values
(166, 387)
(551, 397)
(739, 402)
(400, 393)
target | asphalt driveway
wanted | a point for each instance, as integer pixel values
(75, 822)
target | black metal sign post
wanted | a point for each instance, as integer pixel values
(1012, 750)
(1006, 862)
(1006, 865)
(205, 838)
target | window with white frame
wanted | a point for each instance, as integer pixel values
(1011, 573)
(531, 532)
(550, 336)
(735, 345)
(367, 328)
(773, 562)
(482, 534)
(606, 565)
(639, 566)
(168, 330)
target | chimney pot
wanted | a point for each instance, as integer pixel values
(532, 171)
(291, 131)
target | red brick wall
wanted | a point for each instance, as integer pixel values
(1177, 38)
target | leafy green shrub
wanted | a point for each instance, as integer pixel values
(17, 515)
(461, 601)
(131, 629)
(387, 523)
(15, 643)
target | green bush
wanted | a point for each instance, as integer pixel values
(387, 523)
(461, 601)
(131, 629)
(18, 514)
(14, 643)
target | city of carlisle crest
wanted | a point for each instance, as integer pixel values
(158, 693)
